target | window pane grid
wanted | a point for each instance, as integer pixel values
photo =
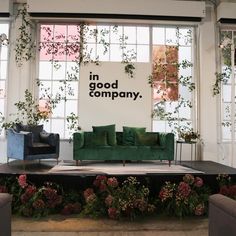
(170, 96)
(4, 29)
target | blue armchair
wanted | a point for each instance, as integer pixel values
(31, 143)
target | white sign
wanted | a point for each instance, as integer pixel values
(109, 96)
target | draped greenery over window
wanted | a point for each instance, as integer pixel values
(64, 48)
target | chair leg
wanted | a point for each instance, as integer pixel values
(77, 162)
(169, 163)
(123, 162)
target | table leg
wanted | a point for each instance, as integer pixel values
(176, 152)
(180, 156)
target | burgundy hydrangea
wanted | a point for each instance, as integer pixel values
(29, 192)
(232, 191)
(199, 209)
(89, 195)
(112, 182)
(39, 204)
(88, 192)
(165, 193)
(22, 181)
(53, 199)
(99, 179)
(109, 200)
(224, 190)
(184, 189)
(71, 208)
(198, 182)
(188, 178)
(113, 213)
(140, 204)
(102, 187)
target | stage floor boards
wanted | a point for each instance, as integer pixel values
(43, 167)
(40, 172)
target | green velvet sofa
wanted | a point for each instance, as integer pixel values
(151, 146)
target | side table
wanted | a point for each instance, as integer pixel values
(181, 142)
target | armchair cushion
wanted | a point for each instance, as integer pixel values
(41, 148)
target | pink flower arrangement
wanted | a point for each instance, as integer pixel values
(22, 181)
(189, 197)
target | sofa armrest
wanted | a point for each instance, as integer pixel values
(18, 143)
(167, 140)
(50, 138)
(23, 137)
(78, 139)
(222, 215)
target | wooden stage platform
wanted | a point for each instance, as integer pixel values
(41, 172)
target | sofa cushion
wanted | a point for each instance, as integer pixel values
(129, 134)
(95, 139)
(110, 130)
(146, 139)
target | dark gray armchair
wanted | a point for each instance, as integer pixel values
(5, 214)
(31, 143)
(222, 216)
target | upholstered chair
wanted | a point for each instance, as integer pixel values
(5, 214)
(32, 143)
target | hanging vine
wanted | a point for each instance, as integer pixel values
(24, 47)
(225, 74)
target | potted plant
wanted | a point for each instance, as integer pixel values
(189, 135)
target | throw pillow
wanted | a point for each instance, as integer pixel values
(95, 139)
(146, 139)
(35, 129)
(111, 133)
(129, 134)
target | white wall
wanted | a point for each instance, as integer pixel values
(208, 103)
(120, 110)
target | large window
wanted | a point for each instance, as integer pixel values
(4, 28)
(173, 78)
(58, 73)
(228, 89)
(65, 47)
